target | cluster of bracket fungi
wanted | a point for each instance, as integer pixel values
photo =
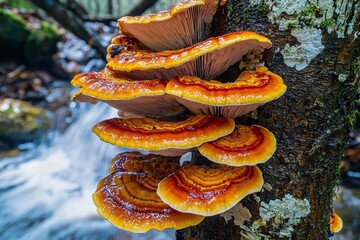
(162, 65)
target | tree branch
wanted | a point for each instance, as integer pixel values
(141, 7)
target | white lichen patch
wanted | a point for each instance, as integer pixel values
(267, 186)
(326, 11)
(303, 15)
(239, 214)
(283, 215)
(342, 77)
(300, 56)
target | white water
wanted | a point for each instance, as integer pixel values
(46, 194)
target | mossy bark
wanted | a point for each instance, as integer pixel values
(311, 122)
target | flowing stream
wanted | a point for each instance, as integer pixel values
(46, 193)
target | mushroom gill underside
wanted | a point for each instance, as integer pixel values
(169, 105)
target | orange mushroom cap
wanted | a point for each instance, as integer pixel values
(218, 52)
(152, 135)
(209, 190)
(250, 90)
(138, 162)
(184, 24)
(126, 95)
(335, 222)
(129, 201)
(247, 145)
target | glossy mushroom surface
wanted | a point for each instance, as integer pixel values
(335, 222)
(129, 200)
(153, 135)
(209, 190)
(247, 145)
(130, 97)
(186, 23)
(250, 90)
(206, 59)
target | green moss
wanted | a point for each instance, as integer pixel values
(291, 25)
(311, 9)
(22, 122)
(355, 66)
(230, 8)
(353, 116)
(326, 23)
(41, 44)
(253, 9)
(23, 4)
(13, 33)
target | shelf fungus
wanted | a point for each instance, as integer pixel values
(163, 137)
(247, 145)
(184, 24)
(159, 67)
(335, 222)
(132, 98)
(218, 52)
(129, 200)
(250, 90)
(209, 190)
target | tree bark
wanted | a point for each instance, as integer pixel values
(316, 49)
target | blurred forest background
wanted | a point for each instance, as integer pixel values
(44, 43)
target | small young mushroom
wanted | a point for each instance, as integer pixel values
(209, 190)
(218, 52)
(247, 145)
(249, 91)
(138, 162)
(335, 223)
(132, 98)
(184, 24)
(122, 43)
(129, 201)
(163, 137)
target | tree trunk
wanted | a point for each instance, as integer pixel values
(71, 21)
(316, 49)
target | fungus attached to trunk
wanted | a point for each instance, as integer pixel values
(209, 190)
(129, 200)
(335, 222)
(157, 66)
(184, 24)
(218, 52)
(172, 138)
(130, 97)
(247, 145)
(250, 90)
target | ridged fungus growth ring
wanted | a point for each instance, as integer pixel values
(209, 190)
(193, 60)
(247, 145)
(249, 91)
(129, 201)
(151, 135)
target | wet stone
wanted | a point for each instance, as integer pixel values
(20, 122)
